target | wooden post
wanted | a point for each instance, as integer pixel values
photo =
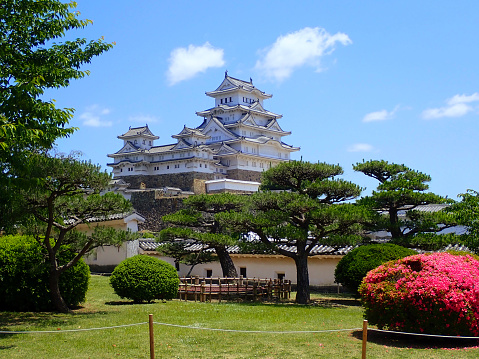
(365, 338)
(202, 291)
(152, 344)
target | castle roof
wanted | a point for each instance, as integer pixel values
(142, 131)
(231, 84)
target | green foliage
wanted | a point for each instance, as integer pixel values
(354, 266)
(31, 63)
(58, 194)
(402, 189)
(142, 278)
(24, 276)
(200, 222)
(307, 208)
(467, 214)
(33, 60)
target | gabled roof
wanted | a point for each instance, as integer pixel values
(128, 147)
(254, 107)
(223, 150)
(187, 132)
(213, 122)
(143, 131)
(231, 84)
(273, 125)
(181, 145)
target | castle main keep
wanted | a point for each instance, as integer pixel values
(236, 141)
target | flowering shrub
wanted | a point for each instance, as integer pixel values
(425, 293)
(354, 266)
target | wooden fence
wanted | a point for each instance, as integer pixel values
(206, 289)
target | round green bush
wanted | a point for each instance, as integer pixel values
(143, 278)
(24, 276)
(426, 293)
(354, 266)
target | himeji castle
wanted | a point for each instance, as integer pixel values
(236, 141)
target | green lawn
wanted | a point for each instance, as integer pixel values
(105, 309)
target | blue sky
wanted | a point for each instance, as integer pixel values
(354, 80)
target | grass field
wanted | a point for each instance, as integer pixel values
(104, 309)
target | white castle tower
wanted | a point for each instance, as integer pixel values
(237, 140)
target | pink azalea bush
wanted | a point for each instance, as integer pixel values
(424, 293)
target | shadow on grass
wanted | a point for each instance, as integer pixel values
(416, 342)
(336, 303)
(130, 302)
(40, 320)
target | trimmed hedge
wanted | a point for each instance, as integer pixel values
(143, 278)
(354, 266)
(24, 276)
(425, 293)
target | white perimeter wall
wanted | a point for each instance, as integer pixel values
(321, 268)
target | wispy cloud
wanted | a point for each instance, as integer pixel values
(185, 63)
(382, 115)
(94, 115)
(456, 106)
(300, 48)
(143, 119)
(360, 147)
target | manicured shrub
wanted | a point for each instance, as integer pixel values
(24, 276)
(143, 278)
(354, 266)
(425, 293)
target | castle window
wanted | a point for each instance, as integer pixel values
(149, 142)
(221, 100)
(254, 164)
(206, 166)
(144, 141)
(261, 165)
(167, 167)
(230, 99)
(201, 165)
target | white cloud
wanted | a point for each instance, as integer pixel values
(93, 116)
(186, 63)
(380, 115)
(360, 147)
(463, 99)
(143, 119)
(457, 106)
(303, 47)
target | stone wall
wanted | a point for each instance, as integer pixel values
(244, 175)
(187, 181)
(152, 209)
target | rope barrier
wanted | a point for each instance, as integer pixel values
(257, 331)
(69, 330)
(234, 330)
(423, 334)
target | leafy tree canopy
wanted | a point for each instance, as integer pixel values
(402, 189)
(467, 214)
(302, 205)
(61, 193)
(199, 222)
(31, 61)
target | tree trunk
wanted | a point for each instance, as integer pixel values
(302, 279)
(226, 262)
(55, 295)
(394, 221)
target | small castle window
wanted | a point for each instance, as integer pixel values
(167, 167)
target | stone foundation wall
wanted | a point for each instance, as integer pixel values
(153, 209)
(244, 175)
(188, 181)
